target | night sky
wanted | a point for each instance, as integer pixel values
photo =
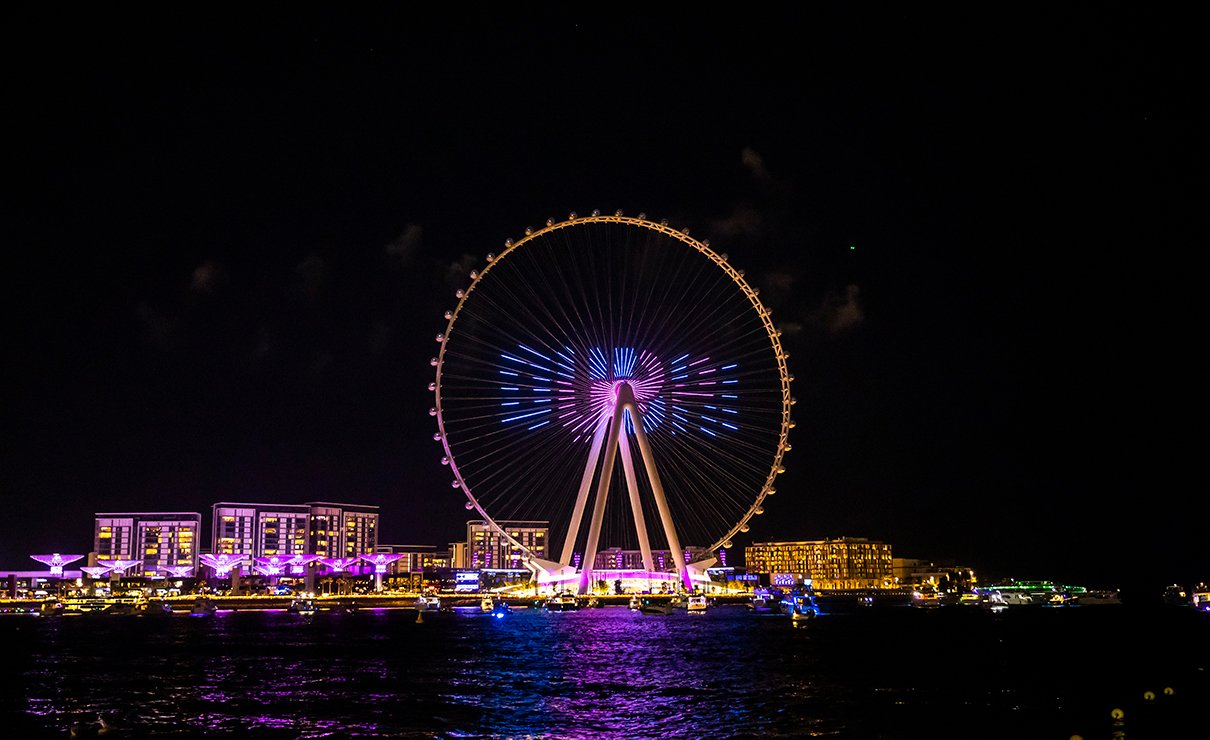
(230, 240)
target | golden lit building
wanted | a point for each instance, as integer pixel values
(160, 539)
(845, 562)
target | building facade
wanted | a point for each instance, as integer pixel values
(325, 529)
(159, 539)
(842, 563)
(487, 548)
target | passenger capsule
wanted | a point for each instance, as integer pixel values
(432, 412)
(571, 216)
(432, 386)
(445, 460)
(727, 544)
(744, 528)
(437, 436)
(771, 491)
(474, 274)
(643, 216)
(618, 212)
(469, 506)
(455, 484)
(528, 231)
(491, 257)
(448, 315)
(596, 212)
(433, 362)
(440, 337)
(758, 510)
(550, 222)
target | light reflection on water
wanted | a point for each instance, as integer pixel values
(594, 673)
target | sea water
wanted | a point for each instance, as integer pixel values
(902, 672)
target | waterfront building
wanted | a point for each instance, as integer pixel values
(487, 548)
(938, 576)
(159, 540)
(328, 530)
(841, 563)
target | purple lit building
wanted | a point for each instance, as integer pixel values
(157, 539)
(323, 529)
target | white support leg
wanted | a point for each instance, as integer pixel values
(657, 488)
(598, 507)
(590, 469)
(632, 485)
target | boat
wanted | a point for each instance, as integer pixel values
(428, 604)
(696, 604)
(1201, 598)
(763, 600)
(492, 605)
(304, 606)
(657, 608)
(203, 607)
(1100, 597)
(561, 602)
(635, 603)
(801, 607)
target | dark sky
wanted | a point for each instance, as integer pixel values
(231, 238)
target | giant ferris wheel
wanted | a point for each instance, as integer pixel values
(620, 380)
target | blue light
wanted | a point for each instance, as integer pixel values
(707, 431)
(509, 372)
(535, 426)
(510, 403)
(525, 416)
(728, 367)
(730, 381)
(539, 354)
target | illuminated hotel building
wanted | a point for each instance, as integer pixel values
(846, 562)
(486, 548)
(159, 539)
(318, 528)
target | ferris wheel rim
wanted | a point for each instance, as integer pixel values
(772, 333)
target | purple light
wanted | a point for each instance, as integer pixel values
(121, 566)
(95, 571)
(178, 571)
(381, 560)
(338, 565)
(56, 561)
(223, 563)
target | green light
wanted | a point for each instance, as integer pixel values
(852, 247)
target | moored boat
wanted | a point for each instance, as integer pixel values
(561, 602)
(800, 607)
(203, 607)
(428, 603)
(657, 608)
(696, 604)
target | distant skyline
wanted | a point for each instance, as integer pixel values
(231, 245)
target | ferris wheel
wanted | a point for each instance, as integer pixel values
(619, 380)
